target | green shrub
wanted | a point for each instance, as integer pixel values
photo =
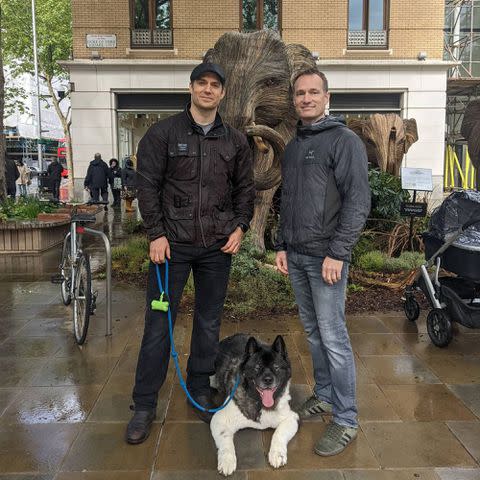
(25, 208)
(377, 261)
(364, 245)
(132, 225)
(131, 257)
(354, 288)
(387, 195)
(412, 259)
(373, 261)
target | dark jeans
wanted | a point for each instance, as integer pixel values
(56, 189)
(116, 197)
(211, 269)
(95, 193)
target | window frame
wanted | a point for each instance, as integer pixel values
(259, 25)
(365, 26)
(151, 27)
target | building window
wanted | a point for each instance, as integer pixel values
(151, 23)
(367, 23)
(260, 14)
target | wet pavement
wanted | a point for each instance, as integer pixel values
(64, 408)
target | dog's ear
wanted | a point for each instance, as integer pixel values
(279, 346)
(251, 347)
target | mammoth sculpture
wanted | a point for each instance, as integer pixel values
(387, 138)
(471, 132)
(258, 101)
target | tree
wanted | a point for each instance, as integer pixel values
(54, 43)
(3, 191)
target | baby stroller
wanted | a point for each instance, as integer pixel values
(453, 244)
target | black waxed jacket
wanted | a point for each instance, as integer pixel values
(325, 192)
(193, 188)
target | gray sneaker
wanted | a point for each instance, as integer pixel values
(314, 406)
(335, 439)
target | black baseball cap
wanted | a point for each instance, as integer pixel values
(207, 67)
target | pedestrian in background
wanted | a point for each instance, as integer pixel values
(11, 175)
(116, 172)
(54, 171)
(97, 179)
(24, 179)
(129, 185)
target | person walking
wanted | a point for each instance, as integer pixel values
(196, 194)
(324, 205)
(129, 183)
(97, 179)
(24, 179)
(54, 171)
(11, 176)
(116, 185)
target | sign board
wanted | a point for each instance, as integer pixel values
(417, 179)
(101, 41)
(411, 209)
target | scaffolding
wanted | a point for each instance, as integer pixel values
(462, 47)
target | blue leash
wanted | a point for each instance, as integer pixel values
(165, 305)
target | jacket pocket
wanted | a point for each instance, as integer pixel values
(224, 222)
(182, 161)
(180, 223)
(223, 162)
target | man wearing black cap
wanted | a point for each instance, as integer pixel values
(195, 194)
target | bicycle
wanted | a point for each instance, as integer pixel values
(75, 276)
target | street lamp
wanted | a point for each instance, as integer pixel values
(37, 84)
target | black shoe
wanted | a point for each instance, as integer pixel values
(205, 400)
(138, 428)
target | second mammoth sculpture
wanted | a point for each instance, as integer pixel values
(387, 138)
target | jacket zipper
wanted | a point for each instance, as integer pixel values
(200, 195)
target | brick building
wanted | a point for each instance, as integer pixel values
(132, 59)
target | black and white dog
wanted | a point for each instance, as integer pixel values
(261, 400)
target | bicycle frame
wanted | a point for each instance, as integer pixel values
(76, 235)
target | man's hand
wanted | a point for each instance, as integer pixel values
(332, 270)
(159, 249)
(281, 262)
(234, 242)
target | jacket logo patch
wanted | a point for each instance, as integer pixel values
(310, 156)
(182, 147)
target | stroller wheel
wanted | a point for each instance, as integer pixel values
(439, 327)
(411, 308)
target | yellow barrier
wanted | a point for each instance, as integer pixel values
(466, 174)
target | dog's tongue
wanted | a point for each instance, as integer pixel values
(267, 397)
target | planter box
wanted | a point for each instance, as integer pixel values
(33, 236)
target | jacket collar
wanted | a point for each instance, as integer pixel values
(218, 129)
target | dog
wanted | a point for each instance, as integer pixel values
(261, 400)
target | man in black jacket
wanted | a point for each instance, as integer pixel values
(325, 202)
(195, 193)
(54, 171)
(98, 177)
(11, 175)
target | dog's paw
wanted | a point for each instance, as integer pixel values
(277, 457)
(227, 462)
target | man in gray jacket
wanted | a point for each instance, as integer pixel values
(325, 202)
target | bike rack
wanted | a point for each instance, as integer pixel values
(108, 252)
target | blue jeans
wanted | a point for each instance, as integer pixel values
(322, 312)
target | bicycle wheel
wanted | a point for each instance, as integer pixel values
(66, 273)
(82, 298)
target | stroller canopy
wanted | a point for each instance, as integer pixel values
(456, 210)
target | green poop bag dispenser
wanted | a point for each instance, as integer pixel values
(161, 304)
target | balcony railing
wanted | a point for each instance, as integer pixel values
(157, 38)
(370, 39)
